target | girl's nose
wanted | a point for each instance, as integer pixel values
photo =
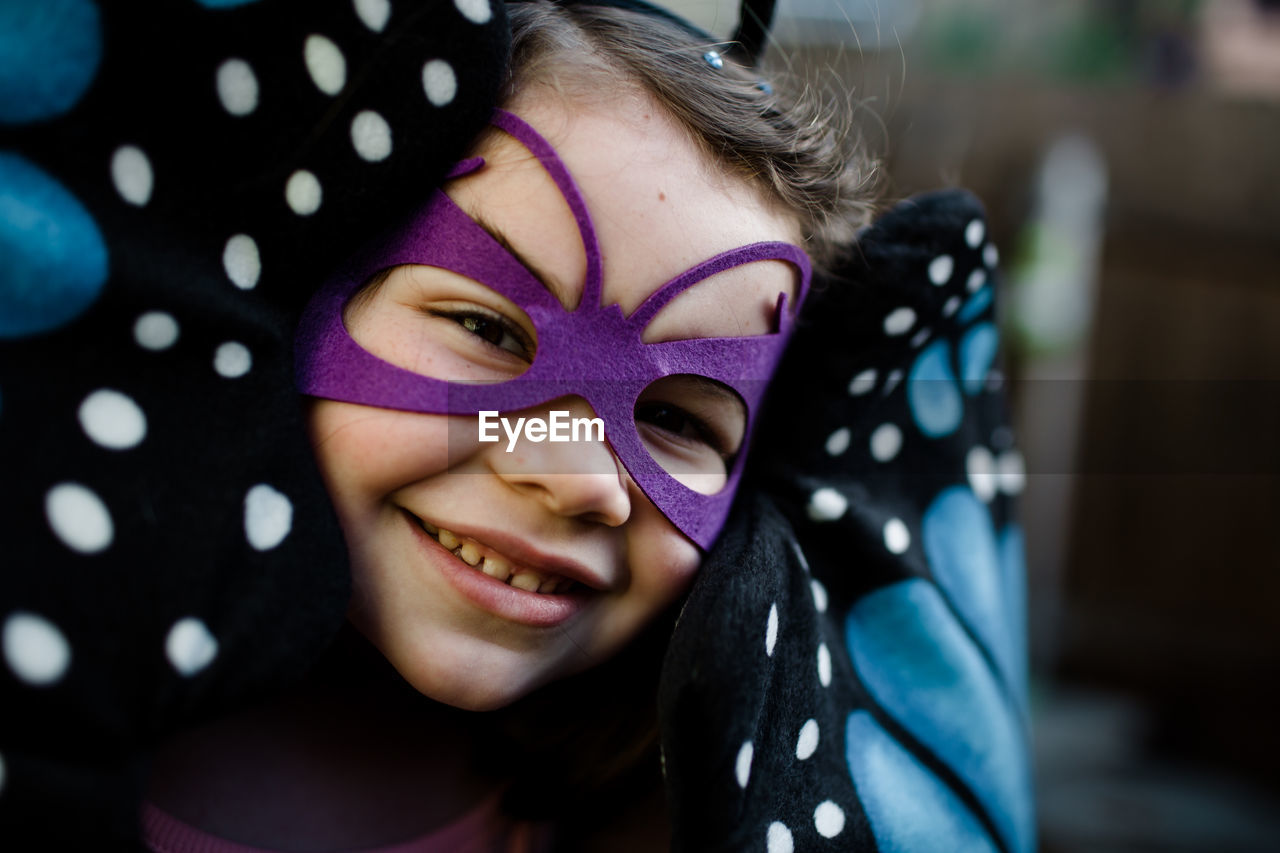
(568, 466)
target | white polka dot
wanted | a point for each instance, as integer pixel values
(899, 321)
(439, 82)
(977, 278)
(303, 193)
(155, 330)
(891, 381)
(827, 504)
(980, 466)
(819, 595)
(190, 647)
(771, 630)
(371, 136)
(807, 743)
(112, 419)
(863, 382)
(886, 441)
(325, 64)
(268, 517)
(951, 306)
(35, 649)
(237, 87)
(475, 11)
(940, 269)
(778, 839)
(897, 538)
(232, 360)
(824, 665)
(241, 261)
(374, 13)
(828, 819)
(79, 518)
(920, 337)
(742, 767)
(838, 441)
(131, 173)
(804, 563)
(990, 255)
(974, 232)
(1011, 472)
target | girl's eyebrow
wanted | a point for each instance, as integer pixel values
(553, 285)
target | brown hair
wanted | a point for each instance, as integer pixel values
(800, 152)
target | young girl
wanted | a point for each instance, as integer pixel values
(629, 241)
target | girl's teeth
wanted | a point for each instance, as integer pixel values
(527, 581)
(495, 567)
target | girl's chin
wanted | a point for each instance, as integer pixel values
(486, 681)
(469, 696)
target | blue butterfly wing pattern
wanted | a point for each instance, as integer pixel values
(908, 807)
(885, 555)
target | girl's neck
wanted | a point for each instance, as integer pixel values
(350, 757)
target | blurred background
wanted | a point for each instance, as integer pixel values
(1128, 152)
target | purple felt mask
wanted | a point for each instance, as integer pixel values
(592, 352)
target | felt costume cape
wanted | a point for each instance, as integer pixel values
(849, 670)
(176, 176)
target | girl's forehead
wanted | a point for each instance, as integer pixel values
(659, 206)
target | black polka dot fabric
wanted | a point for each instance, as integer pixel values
(176, 178)
(849, 670)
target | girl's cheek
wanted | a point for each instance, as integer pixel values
(372, 451)
(663, 560)
(325, 424)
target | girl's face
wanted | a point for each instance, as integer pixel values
(564, 518)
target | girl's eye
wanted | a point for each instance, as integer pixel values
(677, 422)
(494, 331)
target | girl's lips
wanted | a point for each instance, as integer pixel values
(516, 605)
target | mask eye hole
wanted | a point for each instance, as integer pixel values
(490, 327)
(693, 427)
(442, 325)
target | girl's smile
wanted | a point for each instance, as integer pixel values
(482, 574)
(540, 590)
